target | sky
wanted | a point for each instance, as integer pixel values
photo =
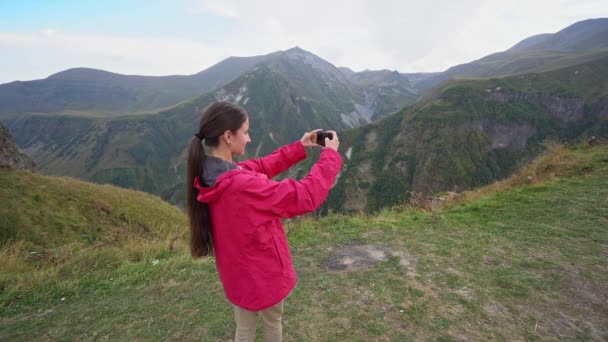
(183, 37)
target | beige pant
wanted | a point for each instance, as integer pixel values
(246, 322)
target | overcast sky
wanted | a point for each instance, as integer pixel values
(39, 38)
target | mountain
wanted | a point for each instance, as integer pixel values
(584, 35)
(286, 93)
(101, 93)
(10, 156)
(91, 92)
(467, 133)
(583, 41)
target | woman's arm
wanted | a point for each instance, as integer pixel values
(276, 162)
(287, 198)
(282, 158)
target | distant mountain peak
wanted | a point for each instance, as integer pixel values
(530, 41)
(82, 73)
(298, 50)
(582, 35)
(588, 24)
(301, 54)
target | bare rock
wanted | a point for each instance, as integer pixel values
(10, 156)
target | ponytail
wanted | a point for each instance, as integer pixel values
(216, 118)
(201, 241)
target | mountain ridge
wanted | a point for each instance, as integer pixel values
(86, 89)
(536, 53)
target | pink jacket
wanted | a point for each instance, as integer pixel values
(251, 251)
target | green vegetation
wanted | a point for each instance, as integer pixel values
(469, 133)
(522, 259)
(41, 213)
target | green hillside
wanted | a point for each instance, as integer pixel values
(468, 133)
(523, 259)
(41, 213)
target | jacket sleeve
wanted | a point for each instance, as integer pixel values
(271, 199)
(276, 162)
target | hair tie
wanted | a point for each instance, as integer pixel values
(200, 136)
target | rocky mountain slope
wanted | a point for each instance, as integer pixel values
(10, 156)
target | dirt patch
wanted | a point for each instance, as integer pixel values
(466, 293)
(371, 140)
(585, 297)
(582, 314)
(355, 257)
(350, 258)
(495, 310)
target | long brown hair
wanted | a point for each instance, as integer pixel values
(216, 118)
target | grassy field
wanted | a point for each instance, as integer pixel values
(523, 259)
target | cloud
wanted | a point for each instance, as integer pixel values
(409, 36)
(218, 7)
(429, 35)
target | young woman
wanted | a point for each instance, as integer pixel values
(235, 211)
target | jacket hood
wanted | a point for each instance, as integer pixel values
(216, 177)
(213, 167)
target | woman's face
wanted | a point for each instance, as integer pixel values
(240, 139)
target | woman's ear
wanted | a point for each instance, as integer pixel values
(227, 137)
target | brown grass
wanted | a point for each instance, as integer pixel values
(13, 258)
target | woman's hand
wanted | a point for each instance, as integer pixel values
(333, 143)
(310, 139)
